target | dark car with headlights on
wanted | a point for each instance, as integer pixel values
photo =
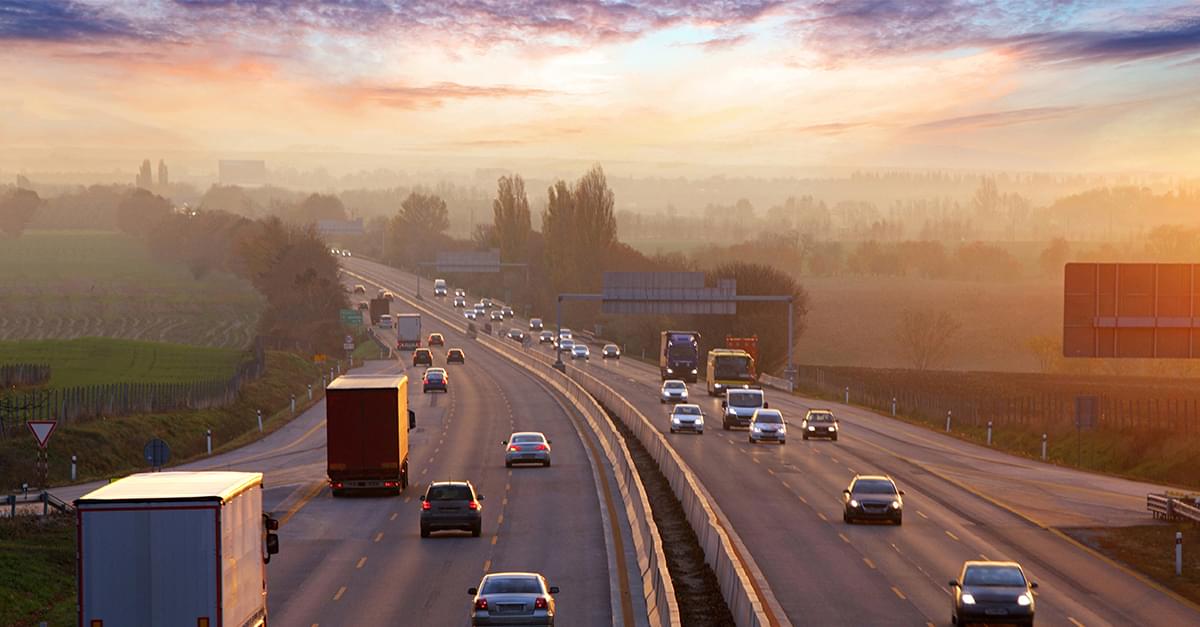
(422, 357)
(513, 599)
(819, 423)
(451, 505)
(993, 593)
(435, 379)
(456, 356)
(610, 351)
(873, 497)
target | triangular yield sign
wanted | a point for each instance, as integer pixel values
(42, 429)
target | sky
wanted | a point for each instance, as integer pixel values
(678, 86)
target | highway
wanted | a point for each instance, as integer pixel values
(361, 561)
(962, 502)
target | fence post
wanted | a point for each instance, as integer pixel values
(1178, 553)
(310, 391)
(1043, 447)
(989, 433)
(208, 440)
(847, 395)
(893, 407)
(948, 420)
(293, 403)
(72, 468)
(259, 413)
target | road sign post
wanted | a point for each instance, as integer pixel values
(989, 435)
(258, 412)
(73, 474)
(1043, 447)
(208, 441)
(42, 430)
(156, 453)
(948, 412)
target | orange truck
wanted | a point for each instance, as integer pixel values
(748, 344)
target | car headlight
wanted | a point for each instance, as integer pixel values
(669, 371)
(693, 371)
(895, 504)
(718, 386)
(1024, 600)
(812, 428)
(853, 503)
(675, 419)
(968, 598)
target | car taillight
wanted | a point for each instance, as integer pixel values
(426, 505)
(337, 484)
(540, 447)
(514, 447)
(540, 604)
(481, 604)
(473, 505)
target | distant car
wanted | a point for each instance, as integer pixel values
(993, 592)
(535, 324)
(422, 357)
(873, 497)
(435, 379)
(565, 334)
(767, 425)
(527, 447)
(436, 339)
(566, 346)
(545, 337)
(516, 335)
(364, 306)
(487, 303)
(480, 309)
(346, 252)
(610, 351)
(451, 505)
(819, 423)
(385, 321)
(581, 351)
(456, 356)
(513, 599)
(388, 295)
(460, 302)
(497, 315)
(458, 291)
(507, 311)
(470, 314)
(687, 417)
(359, 288)
(673, 391)
(439, 287)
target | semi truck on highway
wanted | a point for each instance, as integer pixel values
(729, 368)
(679, 355)
(174, 548)
(367, 421)
(408, 331)
(377, 308)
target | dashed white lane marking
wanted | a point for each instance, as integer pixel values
(337, 596)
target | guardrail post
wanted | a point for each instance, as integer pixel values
(310, 391)
(12, 504)
(1043, 447)
(293, 403)
(339, 367)
(323, 384)
(1178, 553)
(208, 440)
(893, 407)
(258, 412)
(73, 459)
(948, 420)
(989, 433)
(847, 395)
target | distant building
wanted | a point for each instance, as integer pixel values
(163, 180)
(145, 179)
(242, 172)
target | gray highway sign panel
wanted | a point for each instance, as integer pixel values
(469, 261)
(667, 293)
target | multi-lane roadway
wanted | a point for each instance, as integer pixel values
(963, 502)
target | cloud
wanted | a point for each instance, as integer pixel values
(59, 20)
(1180, 37)
(833, 128)
(427, 96)
(723, 43)
(996, 119)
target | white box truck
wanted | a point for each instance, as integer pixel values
(175, 548)
(408, 331)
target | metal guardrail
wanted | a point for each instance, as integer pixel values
(775, 382)
(48, 501)
(1173, 508)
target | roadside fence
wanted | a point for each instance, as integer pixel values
(1174, 508)
(24, 374)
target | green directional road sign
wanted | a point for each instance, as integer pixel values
(352, 317)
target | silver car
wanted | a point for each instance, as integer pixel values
(673, 391)
(767, 425)
(526, 447)
(513, 599)
(687, 417)
(581, 351)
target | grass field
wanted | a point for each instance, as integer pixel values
(1150, 550)
(37, 571)
(67, 284)
(88, 361)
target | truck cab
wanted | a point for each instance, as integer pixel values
(738, 408)
(439, 287)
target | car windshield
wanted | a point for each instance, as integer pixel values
(674, 385)
(768, 417)
(451, 492)
(528, 437)
(993, 576)
(688, 410)
(820, 417)
(874, 486)
(511, 585)
(745, 399)
(456, 353)
(580, 349)
(433, 376)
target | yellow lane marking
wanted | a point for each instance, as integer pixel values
(821, 516)
(771, 472)
(507, 487)
(833, 459)
(756, 461)
(922, 514)
(869, 563)
(984, 557)
(1074, 622)
(378, 536)
(338, 595)
(802, 499)
(425, 470)
(406, 499)
(362, 560)
(504, 502)
(394, 514)
(487, 565)
(951, 535)
(844, 538)
(500, 519)
(494, 538)
(898, 592)
(301, 502)
(786, 484)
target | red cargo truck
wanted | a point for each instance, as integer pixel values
(367, 421)
(748, 344)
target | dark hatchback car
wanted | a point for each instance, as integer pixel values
(993, 593)
(435, 379)
(873, 497)
(516, 335)
(451, 505)
(819, 423)
(456, 356)
(422, 357)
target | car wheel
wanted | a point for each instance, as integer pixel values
(547, 464)
(337, 493)
(782, 442)
(899, 521)
(508, 464)
(424, 531)
(725, 425)
(804, 437)
(672, 430)
(835, 438)
(750, 439)
(476, 530)
(846, 518)
(662, 401)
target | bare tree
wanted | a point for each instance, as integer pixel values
(925, 336)
(17, 209)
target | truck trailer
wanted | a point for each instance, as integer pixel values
(367, 421)
(408, 331)
(174, 548)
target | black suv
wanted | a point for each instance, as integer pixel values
(873, 497)
(451, 505)
(422, 357)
